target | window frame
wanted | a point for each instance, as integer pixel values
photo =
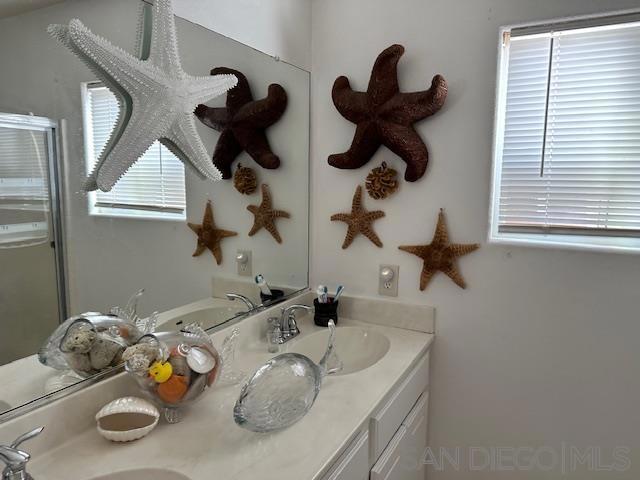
(583, 241)
(95, 208)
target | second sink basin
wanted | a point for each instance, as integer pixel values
(357, 347)
(207, 317)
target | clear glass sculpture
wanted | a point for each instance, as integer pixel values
(230, 375)
(284, 389)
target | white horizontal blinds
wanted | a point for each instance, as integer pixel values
(154, 182)
(588, 179)
(24, 191)
(523, 193)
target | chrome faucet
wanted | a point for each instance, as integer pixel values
(236, 296)
(286, 326)
(15, 459)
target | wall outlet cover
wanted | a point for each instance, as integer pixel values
(388, 276)
(243, 262)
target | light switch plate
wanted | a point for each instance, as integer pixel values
(244, 269)
(388, 286)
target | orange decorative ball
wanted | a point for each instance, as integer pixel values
(173, 389)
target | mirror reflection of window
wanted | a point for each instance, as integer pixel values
(24, 191)
(154, 186)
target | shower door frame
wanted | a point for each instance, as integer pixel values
(56, 234)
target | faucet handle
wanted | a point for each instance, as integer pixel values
(16, 460)
(13, 458)
(26, 436)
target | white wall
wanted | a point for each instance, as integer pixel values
(277, 27)
(543, 345)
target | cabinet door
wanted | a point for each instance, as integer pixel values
(385, 423)
(354, 463)
(403, 459)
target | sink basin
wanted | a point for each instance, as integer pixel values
(357, 347)
(144, 474)
(207, 317)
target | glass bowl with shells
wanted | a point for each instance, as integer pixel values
(174, 369)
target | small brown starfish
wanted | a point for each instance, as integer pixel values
(440, 255)
(210, 236)
(385, 116)
(359, 221)
(265, 215)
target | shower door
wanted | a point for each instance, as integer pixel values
(32, 296)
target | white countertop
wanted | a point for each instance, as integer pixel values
(208, 444)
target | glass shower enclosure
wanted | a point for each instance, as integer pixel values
(32, 277)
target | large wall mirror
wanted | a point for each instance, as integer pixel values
(64, 251)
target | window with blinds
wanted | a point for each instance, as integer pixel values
(153, 187)
(567, 141)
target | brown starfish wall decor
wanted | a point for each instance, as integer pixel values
(359, 221)
(243, 122)
(265, 215)
(385, 116)
(440, 255)
(209, 236)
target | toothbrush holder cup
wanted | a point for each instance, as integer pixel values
(325, 312)
(275, 297)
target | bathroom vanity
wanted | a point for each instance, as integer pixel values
(370, 422)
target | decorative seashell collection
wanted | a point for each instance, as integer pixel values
(173, 368)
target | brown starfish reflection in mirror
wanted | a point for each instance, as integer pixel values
(359, 221)
(265, 215)
(440, 255)
(210, 236)
(385, 116)
(243, 122)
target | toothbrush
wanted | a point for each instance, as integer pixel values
(262, 284)
(319, 293)
(339, 291)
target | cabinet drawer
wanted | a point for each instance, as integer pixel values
(387, 421)
(403, 457)
(353, 464)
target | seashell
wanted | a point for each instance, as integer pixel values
(127, 419)
(198, 384)
(180, 365)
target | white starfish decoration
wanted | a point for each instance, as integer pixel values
(156, 97)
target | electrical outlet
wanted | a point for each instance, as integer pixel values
(388, 276)
(243, 261)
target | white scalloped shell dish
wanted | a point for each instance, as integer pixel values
(127, 419)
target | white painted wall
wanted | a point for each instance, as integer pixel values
(277, 27)
(543, 346)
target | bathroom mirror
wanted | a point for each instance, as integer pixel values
(64, 252)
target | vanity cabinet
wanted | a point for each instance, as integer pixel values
(354, 463)
(402, 459)
(393, 446)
